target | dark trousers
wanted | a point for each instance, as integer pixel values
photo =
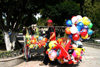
(46, 58)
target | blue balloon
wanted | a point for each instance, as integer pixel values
(90, 32)
(79, 28)
(70, 36)
(80, 24)
(69, 23)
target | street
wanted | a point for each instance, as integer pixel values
(91, 58)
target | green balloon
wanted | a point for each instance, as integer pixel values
(90, 25)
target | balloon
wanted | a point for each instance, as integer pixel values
(79, 17)
(59, 40)
(73, 29)
(33, 41)
(80, 20)
(45, 39)
(74, 46)
(78, 43)
(69, 23)
(31, 46)
(74, 19)
(90, 32)
(76, 37)
(27, 36)
(80, 24)
(86, 21)
(67, 30)
(70, 36)
(52, 44)
(40, 38)
(61, 61)
(52, 55)
(78, 51)
(83, 32)
(86, 27)
(79, 28)
(28, 41)
(85, 37)
(90, 25)
(74, 54)
(32, 37)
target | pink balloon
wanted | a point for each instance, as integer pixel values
(74, 54)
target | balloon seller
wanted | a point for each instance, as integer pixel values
(68, 50)
(51, 36)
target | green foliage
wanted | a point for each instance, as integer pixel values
(89, 10)
(1, 38)
(59, 12)
(42, 21)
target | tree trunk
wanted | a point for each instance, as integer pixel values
(10, 41)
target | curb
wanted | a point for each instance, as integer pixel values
(11, 62)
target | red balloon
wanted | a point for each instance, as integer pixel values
(84, 32)
(76, 37)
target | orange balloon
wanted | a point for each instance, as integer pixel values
(33, 41)
(67, 30)
(45, 39)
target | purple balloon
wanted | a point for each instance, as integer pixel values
(86, 27)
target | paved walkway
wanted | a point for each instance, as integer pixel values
(90, 59)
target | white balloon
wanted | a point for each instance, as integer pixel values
(73, 29)
(74, 45)
(78, 43)
(79, 17)
(74, 19)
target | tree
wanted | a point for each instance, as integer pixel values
(14, 14)
(61, 11)
(89, 10)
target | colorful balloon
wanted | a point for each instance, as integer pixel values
(45, 39)
(79, 17)
(70, 36)
(85, 37)
(86, 27)
(83, 32)
(74, 19)
(90, 32)
(52, 55)
(73, 29)
(90, 25)
(52, 44)
(74, 54)
(79, 28)
(69, 23)
(78, 43)
(67, 30)
(76, 37)
(80, 24)
(33, 41)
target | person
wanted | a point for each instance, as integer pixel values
(51, 36)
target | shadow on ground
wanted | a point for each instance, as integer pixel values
(39, 57)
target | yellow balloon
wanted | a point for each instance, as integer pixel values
(52, 44)
(85, 18)
(85, 37)
(31, 46)
(78, 51)
(86, 21)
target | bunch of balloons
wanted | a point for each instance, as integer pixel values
(35, 41)
(79, 28)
